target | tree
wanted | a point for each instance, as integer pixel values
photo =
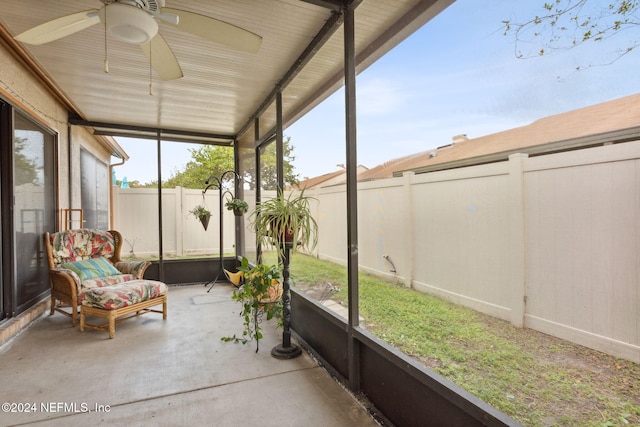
(210, 160)
(205, 161)
(26, 169)
(268, 173)
(565, 24)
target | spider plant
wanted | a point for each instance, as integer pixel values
(285, 219)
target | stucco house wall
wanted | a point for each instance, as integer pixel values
(26, 93)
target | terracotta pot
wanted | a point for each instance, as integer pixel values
(273, 294)
(276, 232)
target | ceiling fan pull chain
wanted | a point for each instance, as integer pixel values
(150, 69)
(106, 57)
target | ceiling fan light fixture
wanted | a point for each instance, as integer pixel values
(128, 23)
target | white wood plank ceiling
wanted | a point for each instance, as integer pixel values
(222, 90)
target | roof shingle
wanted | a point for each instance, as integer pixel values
(563, 131)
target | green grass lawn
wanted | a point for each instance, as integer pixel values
(532, 377)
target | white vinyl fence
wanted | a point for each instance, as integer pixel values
(551, 242)
(136, 217)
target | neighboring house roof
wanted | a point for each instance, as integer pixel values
(332, 178)
(612, 121)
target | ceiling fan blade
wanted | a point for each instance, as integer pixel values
(162, 58)
(59, 28)
(215, 30)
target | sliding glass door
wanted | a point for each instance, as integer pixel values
(28, 206)
(34, 206)
(5, 142)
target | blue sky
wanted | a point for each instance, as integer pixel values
(457, 75)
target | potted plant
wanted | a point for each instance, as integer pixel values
(238, 206)
(203, 214)
(286, 219)
(259, 294)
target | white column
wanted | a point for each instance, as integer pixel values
(409, 230)
(180, 218)
(517, 238)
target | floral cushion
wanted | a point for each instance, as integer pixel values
(100, 282)
(78, 245)
(123, 294)
(135, 268)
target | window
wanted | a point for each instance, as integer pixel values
(95, 191)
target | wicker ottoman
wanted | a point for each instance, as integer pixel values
(122, 301)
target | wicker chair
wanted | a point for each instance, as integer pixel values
(72, 288)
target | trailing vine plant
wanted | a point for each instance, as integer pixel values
(259, 296)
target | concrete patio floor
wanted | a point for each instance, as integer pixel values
(172, 372)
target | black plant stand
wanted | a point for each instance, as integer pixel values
(219, 184)
(286, 350)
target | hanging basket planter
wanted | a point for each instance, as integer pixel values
(204, 220)
(203, 215)
(238, 206)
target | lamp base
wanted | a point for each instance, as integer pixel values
(282, 352)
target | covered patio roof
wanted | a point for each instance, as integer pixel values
(223, 90)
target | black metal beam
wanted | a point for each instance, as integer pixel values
(7, 270)
(320, 39)
(335, 5)
(369, 53)
(160, 233)
(258, 183)
(279, 144)
(352, 195)
(239, 192)
(267, 138)
(184, 135)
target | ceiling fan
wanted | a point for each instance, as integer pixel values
(136, 22)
